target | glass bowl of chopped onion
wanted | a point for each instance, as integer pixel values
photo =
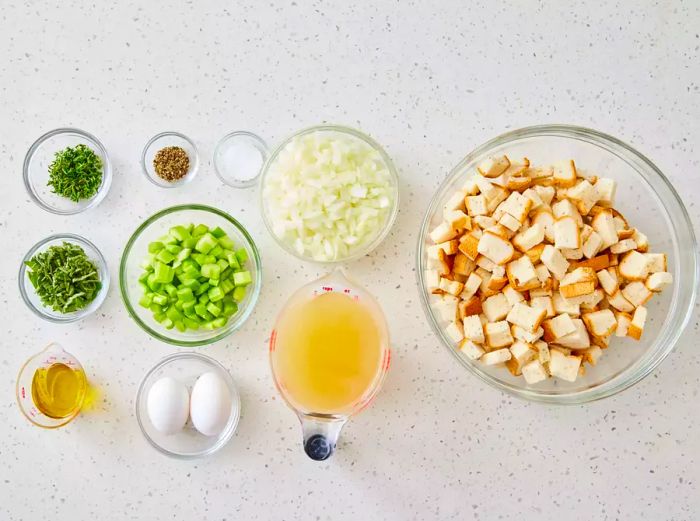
(649, 204)
(329, 194)
(71, 279)
(82, 171)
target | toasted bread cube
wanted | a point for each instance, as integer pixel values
(534, 372)
(496, 307)
(606, 190)
(446, 307)
(600, 323)
(584, 195)
(471, 286)
(485, 187)
(636, 327)
(572, 253)
(528, 239)
(565, 208)
(535, 253)
(597, 263)
(541, 292)
(493, 166)
(495, 248)
(500, 231)
(563, 366)
(532, 194)
(623, 246)
(432, 280)
(451, 287)
(590, 300)
(473, 330)
(641, 240)
(455, 202)
(470, 306)
(619, 302)
(527, 317)
(592, 245)
(604, 226)
(521, 354)
(545, 219)
(581, 281)
(539, 172)
(462, 265)
(476, 205)
(564, 173)
(471, 187)
(566, 233)
(607, 281)
(623, 322)
(636, 293)
(497, 280)
(445, 263)
(512, 295)
(443, 232)
(555, 261)
(558, 327)
(454, 332)
(658, 281)
(579, 339)
(526, 336)
(542, 351)
(518, 206)
(497, 196)
(656, 262)
(498, 334)
(546, 193)
(458, 220)
(519, 183)
(448, 247)
(590, 355)
(471, 350)
(469, 245)
(563, 305)
(543, 303)
(485, 262)
(543, 274)
(509, 222)
(520, 272)
(485, 221)
(498, 356)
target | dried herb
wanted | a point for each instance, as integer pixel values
(76, 173)
(171, 163)
(64, 278)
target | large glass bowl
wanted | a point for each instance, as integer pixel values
(356, 134)
(647, 199)
(137, 248)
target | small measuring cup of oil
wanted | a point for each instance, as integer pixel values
(51, 387)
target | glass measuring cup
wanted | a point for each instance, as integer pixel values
(329, 354)
(52, 355)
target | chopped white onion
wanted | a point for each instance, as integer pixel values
(328, 195)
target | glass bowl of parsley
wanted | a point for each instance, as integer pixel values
(66, 171)
(63, 278)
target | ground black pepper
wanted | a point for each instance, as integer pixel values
(171, 163)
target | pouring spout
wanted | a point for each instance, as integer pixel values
(320, 434)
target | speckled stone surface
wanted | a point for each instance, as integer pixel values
(428, 80)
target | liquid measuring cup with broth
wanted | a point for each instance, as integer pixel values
(51, 387)
(329, 354)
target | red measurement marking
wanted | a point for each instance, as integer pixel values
(346, 290)
(327, 288)
(387, 360)
(273, 338)
(24, 393)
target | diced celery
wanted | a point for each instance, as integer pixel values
(146, 300)
(189, 243)
(159, 317)
(185, 295)
(183, 254)
(161, 300)
(188, 306)
(213, 282)
(242, 278)
(199, 230)
(215, 294)
(200, 309)
(193, 284)
(219, 322)
(208, 325)
(232, 260)
(178, 305)
(145, 274)
(168, 323)
(230, 308)
(203, 298)
(213, 309)
(239, 293)
(222, 263)
(203, 288)
(226, 243)
(216, 251)
(206, 243)
(170, 289)
(163, 273)
(191, 323)
(165, 256)
(209, 259)
(211, 271)
(180, 233)
(218, 232)
(155, 247)
(173, 313)
(147, 263)
(199, 258)
(173, 248)
(242, 256)
(155, 308)
(227, 286)
(180, 325)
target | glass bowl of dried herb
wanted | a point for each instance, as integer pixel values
(170, 159)
(63, 278)
(66, 171)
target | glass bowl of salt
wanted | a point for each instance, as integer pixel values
(239, 158)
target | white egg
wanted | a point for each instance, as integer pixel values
(168, 405)
(210, 406)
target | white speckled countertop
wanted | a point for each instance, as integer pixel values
(428, 83)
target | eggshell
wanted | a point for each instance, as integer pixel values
(210, 406)
(168, 405)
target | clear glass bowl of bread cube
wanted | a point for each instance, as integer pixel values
(558, 264)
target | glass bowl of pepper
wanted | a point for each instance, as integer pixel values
(63, 278)
(66, 171)
(170, 159)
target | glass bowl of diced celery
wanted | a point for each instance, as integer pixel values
(190, 275)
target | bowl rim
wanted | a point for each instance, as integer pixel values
(76, 315)
(225, 331)
(106, 172)
(626, 378)
(257, 142)
(391, 219)
(182, 181)
(232, 426)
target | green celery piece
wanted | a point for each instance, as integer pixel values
(226, 274)
(155, 308)
(206, 243)
(193, 284)
(173, 248)
(191, 323)
(180, 233)
(242, 278)
(219, 322)
(199, 230)
(239, 293)
(227, 286)
(226, 243)
(185, 295)
(203, 298)
(165, 256)
(147, 262)
(211, 271)
(146, 300)
(213, 309)
(208, 325)
(168, 323)
(189, 243)
(199, 258)
(159, 317)
(233, 260)
(216, 251)
(242, 256)
(209, 259)
(178, 305)
(222, 264)
(183, 254)
(200, 309)
(188, 306)
(161, 300)
(173, 313)
(230, 308)
(203, 288)
(144, 276)
(170, 289)
(213, 282)
(215, 294)
(180, 325)
(155, 247)
(152, 279)
(218, 232)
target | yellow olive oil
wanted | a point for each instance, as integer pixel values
(58, 390)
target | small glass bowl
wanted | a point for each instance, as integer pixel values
(136, 250)
(224, 172)
(647, 199)
(41, 154)
(169, 139)
(391, 217)
(188, 443)
(32, 300)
